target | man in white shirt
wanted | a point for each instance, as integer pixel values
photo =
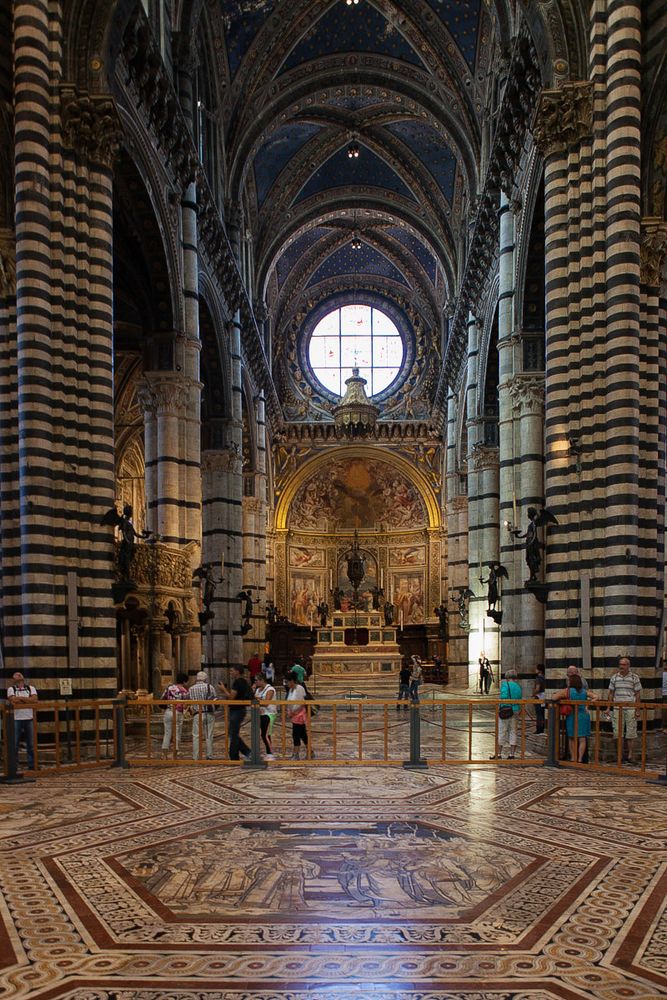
(20, 694)
(625, 692)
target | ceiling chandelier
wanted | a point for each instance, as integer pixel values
(356, 243)
(353, 151)
(351, 2)
(355, 416)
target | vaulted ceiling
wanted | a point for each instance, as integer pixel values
(409, 85)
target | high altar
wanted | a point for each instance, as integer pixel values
(356, 645)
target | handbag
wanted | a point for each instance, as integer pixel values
(566, 709)
(505, 711)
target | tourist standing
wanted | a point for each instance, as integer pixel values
(298, 715)
(20, 694)
(240, 691)
(485, 674)
(539, 686)
(268, 669)
(265, 694)
(625, 692)
(403, 687)
(578, 721)
(507, 728)
(179, 693)
(254, 667)
(416, 674)
(203, 715)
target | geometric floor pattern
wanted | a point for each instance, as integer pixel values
(372, 883)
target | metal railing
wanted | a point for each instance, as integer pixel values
(75, 734)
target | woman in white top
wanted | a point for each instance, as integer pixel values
(266, 696)
(298, 715)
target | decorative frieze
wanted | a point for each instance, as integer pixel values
(564, 117)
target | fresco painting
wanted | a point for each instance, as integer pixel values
(407, 595)
(358, 493)
(300, 556)
(306, 592)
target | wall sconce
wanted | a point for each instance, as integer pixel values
(574, 447)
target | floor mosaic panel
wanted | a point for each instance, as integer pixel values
(370, 883)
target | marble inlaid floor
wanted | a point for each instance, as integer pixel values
(372, 883)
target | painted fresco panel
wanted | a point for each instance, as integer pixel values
(306, 589)
(407, 591)
(300, 556)
(357, 493)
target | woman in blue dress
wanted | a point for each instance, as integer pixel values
(578, 721)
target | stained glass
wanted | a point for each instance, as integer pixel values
(356, 336)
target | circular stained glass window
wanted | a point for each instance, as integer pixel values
(356, 336)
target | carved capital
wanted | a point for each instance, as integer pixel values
(166, 393)
(653, 251)
(484, 457)
(527, 393)
(564, 117)
(91, 126)
(227, 459)
(7, 262)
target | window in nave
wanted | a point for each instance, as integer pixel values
(356, 336)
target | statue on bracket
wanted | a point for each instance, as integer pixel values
(323, 612)
(533, 546)
(442, 615)
(496, 572)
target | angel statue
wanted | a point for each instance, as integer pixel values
(496, 572)
(128, 536)
(205, 574)
(533, 544)
(246, 597)
(442, 615)
(465, 593)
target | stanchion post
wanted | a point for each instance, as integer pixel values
(13, 775)
(416, 761)
(255, 762)
(552, 735)
(119, 732)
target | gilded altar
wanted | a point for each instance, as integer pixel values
(356, 645)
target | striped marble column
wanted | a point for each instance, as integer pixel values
(457, 549)
(485, 634)
(474, 431)
(254, 537)
(602, 423)
(221, 486)
(9, 441)
(654, 372)
(58, 616)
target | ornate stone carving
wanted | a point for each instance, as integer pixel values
(527, 393)
(157, 566)
(653, 251)
(91, 126)
(221, 460)
(564, 117)
(483, 457)
(166, 393)
(7, 262)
